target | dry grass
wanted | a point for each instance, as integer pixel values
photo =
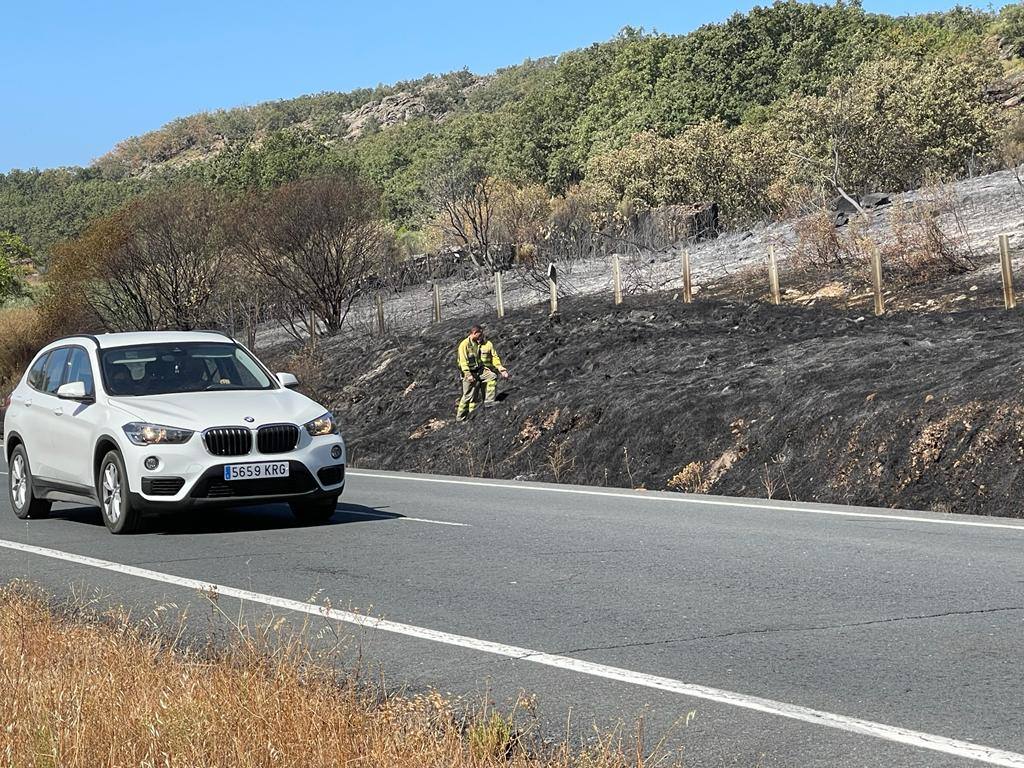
(817, 242)
(88, 692)
(690, 479)
(929, 238)
(21, 335)
(307, 365)
(925, 240)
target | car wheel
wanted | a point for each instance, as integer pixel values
(115, 503)
(314, 511)
(23, 498)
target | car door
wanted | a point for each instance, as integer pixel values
(76, 425)
(44, 417)
(21, 411)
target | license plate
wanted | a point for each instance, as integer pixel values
(268, 469)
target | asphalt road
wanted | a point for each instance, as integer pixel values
(747, 633)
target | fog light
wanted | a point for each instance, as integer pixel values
(336, 452)
(152, 463)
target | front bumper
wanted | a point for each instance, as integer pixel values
(189, 477)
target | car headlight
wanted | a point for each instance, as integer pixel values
(141, 433)
(322, 425)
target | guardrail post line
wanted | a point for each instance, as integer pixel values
(773, 276)
(617, 277)
(553, 287)
(1009, 297)
(499, 293)
(876, 280)
(687, 283)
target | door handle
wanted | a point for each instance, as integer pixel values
(28, 403)
(58, 411)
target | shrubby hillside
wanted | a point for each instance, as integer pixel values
(750, 112)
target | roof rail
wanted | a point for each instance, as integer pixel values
(88, 336)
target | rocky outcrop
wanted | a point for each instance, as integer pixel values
(1009, 91)
(391, 110)
(434, 100)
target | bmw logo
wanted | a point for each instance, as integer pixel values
(250, 419)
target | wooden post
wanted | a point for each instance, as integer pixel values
(380, 315)
(553, 286)
(1009, 297)
(687, 283)
(312, 328)
(499, 293)
(617, 278)
(773, 276)
(876, 280)
(437, 302)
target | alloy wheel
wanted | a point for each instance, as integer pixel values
(19, 482)
(111, 492)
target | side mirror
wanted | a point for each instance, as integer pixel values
(75, 390)
(287, 380)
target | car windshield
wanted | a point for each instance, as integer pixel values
(160, 369)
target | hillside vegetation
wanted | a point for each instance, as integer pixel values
(751, 112)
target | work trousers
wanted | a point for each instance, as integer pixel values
(475, 389)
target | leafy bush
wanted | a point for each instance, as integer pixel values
(21, 336)
(896, 122)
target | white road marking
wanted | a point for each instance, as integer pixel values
(402, 517)
(684, 499)
(890, 733)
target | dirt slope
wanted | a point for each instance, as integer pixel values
(920, 411)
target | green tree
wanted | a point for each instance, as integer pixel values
(13, 253)
(283, 156)
(897, 121)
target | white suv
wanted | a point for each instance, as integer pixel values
(143, 423)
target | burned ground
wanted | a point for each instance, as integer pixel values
(919, 410)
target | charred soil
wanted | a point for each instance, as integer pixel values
(917, 410)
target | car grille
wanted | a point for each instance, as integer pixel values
(277, 438)
(161, 486)
(332, 475)
(228, 441)
(212, 484)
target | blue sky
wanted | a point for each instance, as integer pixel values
(77, 76)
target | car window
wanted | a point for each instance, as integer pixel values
(35, 374)
(53, 373)
(80, 369)
(160, 369)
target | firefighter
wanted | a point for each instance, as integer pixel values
(474, 375)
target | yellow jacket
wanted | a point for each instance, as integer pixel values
(489, 355)
(469, 356)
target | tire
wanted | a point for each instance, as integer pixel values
(115, 502)
(314, 512)
(19, 488)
